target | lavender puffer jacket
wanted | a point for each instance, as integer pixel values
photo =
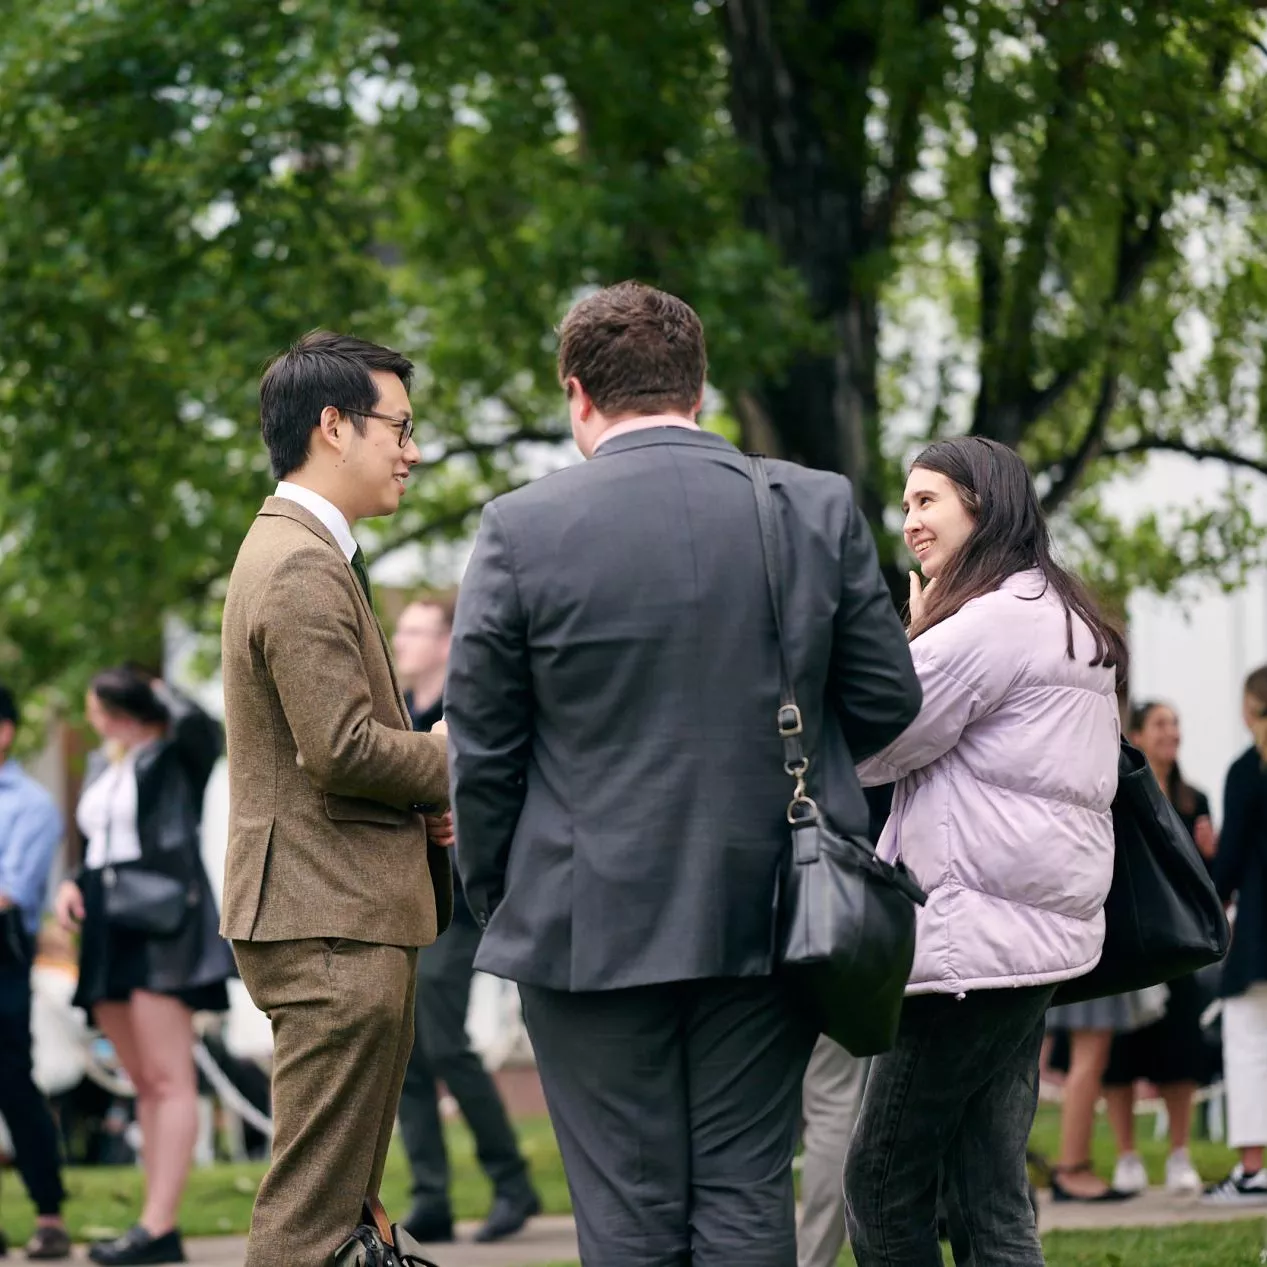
(1004, 786)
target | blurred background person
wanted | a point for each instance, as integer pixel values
(142, 808)
(831, 1096)
(442, 1050)
(1084, 1035)
(1172, 1053)
(1240, 874)
(30, 831)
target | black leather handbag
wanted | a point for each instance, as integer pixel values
(1162, 917)
(375, 1243)
(845, 920)
(141, 900)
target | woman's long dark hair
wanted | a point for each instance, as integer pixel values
(127, 690)
(1181, 794)
(1009, 535)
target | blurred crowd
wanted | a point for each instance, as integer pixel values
(117, 1077)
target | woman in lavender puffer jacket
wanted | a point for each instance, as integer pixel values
(1001, 811)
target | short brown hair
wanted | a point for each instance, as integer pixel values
(1256, 685)
(636, 350)
(444, 601)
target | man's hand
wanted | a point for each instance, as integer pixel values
(440, 829)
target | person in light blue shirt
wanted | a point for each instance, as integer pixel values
(30, 832)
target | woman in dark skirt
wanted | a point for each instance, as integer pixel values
(150, 951)
(1172, 1052)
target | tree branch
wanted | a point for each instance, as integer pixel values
(1090, 446)
(1133, 258)
(1003, 420)
(445, 521)
(882, 216)
(1201, 452)
(989, 244)
(525, 435)
(1135, 254)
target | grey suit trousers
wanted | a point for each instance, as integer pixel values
(676, 1107)
(831, 1101)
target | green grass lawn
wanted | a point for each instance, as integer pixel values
(106, 1199)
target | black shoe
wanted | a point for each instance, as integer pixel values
(137, 1246)
(1060, 1193)
(48, 1244)
(429, 1229)
(507, 1217)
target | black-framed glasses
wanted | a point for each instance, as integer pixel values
(404, 426)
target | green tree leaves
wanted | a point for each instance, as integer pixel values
(1035, 219)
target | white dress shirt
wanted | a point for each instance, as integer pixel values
(107, 815)
(329, 514)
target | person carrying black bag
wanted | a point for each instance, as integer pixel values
(619, 791)
(150, 951)
(1002, 813)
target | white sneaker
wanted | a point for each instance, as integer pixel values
(1238, 1189)
(1129, 1174)
(1181, 1175)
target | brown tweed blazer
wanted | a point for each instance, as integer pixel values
(324, 766)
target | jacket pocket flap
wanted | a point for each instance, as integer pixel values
(356, 809)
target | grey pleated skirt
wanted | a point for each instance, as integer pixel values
(1122, 1013)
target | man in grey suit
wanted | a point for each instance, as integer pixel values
(619, 791)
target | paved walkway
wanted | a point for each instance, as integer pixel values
(545, 1240)
(553, 1239)
(1154, 1208)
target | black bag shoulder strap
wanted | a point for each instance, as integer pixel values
(790, 723)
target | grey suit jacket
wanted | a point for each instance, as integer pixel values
(617, 777)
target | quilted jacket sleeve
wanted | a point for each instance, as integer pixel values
(965, 666)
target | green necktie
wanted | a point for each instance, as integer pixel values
(362, 574)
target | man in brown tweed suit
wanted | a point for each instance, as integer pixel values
(331, 883)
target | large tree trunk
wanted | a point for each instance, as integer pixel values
(822, 409)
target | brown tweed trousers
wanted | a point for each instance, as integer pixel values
(330, 884)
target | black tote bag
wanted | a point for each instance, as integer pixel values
(845, 920)
(1162, 918)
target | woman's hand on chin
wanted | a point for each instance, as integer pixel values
(919, 596)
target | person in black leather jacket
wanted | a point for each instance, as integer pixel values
(140, 811)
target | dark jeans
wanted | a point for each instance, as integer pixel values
(22, 1103)
(676, 1109)
(958, 1091)
(442, 1053)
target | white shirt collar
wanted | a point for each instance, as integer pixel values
(329, 514)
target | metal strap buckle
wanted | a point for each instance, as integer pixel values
(790, 721)
(798, 770)
(803, 809)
